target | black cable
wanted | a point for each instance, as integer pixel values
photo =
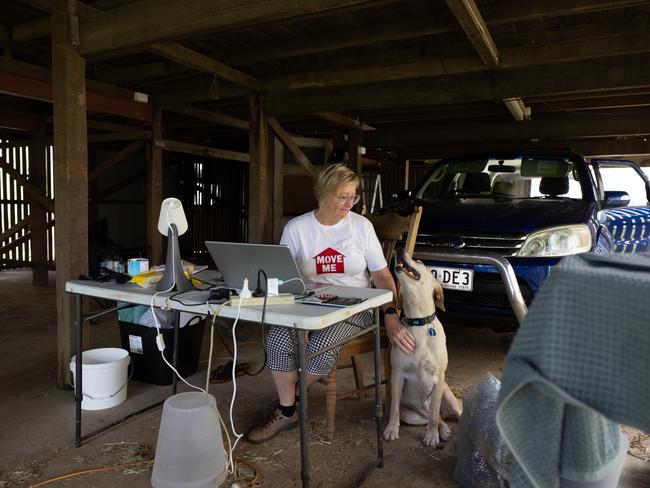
(257, 290)
(232, 355)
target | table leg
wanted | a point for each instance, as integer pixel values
(177, 320)
(78, 390)
(378, 407)
(304, 435)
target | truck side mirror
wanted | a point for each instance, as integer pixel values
(400, 195)
(614, 199)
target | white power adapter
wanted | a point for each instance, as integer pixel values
(160, 342)
(245, 292)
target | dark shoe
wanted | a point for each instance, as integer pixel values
(272, 425)
(223, 373)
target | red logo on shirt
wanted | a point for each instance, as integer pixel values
(330, 261)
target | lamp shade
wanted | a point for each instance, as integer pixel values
(171, 212)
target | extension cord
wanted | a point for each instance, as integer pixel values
(281, 299)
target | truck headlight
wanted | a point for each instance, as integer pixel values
(557, 241)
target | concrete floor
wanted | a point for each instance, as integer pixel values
(37, 418)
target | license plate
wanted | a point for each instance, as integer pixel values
(454, 278)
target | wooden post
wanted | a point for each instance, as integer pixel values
(260, 176)
(154, 191)
(37, 212)
(278, 188)
(407, 167)
(356, 164)
(70, 172)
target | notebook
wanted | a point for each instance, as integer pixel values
(330, 300)
(237, 261)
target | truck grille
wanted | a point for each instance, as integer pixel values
(503, 244)
(489, 291)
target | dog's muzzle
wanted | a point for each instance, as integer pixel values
(401, 266)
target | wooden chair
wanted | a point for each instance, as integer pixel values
(390, 229)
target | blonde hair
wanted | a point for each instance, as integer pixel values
(331, 178)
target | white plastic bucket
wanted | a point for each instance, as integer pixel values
(104, 377)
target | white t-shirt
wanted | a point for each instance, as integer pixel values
(340, 254)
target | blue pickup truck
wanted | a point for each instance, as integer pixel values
(532, 208)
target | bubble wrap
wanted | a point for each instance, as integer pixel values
(483, 456)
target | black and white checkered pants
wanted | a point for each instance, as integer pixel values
(282, 347)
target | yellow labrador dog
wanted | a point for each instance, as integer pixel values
(419, 393)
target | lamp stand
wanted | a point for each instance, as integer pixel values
(173, 266)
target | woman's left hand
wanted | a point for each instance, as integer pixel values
(399, 335)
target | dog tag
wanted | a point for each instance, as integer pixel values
(432, 331)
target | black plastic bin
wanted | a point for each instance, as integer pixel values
(148, 365)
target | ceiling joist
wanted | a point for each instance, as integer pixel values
(152, 21)
(205, 64)
(472, 22)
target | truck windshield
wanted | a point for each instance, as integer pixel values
(525, 178)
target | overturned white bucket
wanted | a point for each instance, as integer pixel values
(104, 377)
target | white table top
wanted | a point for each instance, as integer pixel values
(298, 315)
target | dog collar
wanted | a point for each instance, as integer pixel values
(420, 321)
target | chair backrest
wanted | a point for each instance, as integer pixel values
(503, 188)
(391, 227)
(551, 185)
(476, 183)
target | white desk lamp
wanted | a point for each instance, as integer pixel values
(172, 223)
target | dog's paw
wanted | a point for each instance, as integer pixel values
(431, 437)
(444, 431)
(391, 433)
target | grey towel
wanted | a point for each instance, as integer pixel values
(578, 366)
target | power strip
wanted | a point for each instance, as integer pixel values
(281, 299)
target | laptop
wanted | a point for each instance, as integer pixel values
(237, 261)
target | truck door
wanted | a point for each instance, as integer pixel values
(624, 193)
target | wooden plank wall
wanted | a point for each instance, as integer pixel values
(215, 198)
(16, 207)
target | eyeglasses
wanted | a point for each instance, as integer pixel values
(354, 199)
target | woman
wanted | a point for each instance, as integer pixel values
(355, 256)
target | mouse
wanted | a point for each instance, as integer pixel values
(219, 294)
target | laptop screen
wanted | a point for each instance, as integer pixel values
(237, 261)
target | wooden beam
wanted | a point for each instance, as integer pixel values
(155, 190)
(611, 148)
(14, 244)
(616, 73)
(200, 62)
(150, 21)
(37, 177)
(14, 121)
(209, 116)
(547, 127)
(106, 165)
(495, 15)
(110, 126)
(92, 139)
(119, 136)
(211, 152)
(70, 175)
(288, 141)
(29, 187)
(129, 74)
(14, 229)
(26, 87)
(343, 120)
(526, 56)
(260, 175)
(472, 22)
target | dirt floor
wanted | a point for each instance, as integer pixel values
(37, 418)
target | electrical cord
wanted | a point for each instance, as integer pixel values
(90, 471)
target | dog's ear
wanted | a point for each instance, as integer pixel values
(400, 302)
(438, 295)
